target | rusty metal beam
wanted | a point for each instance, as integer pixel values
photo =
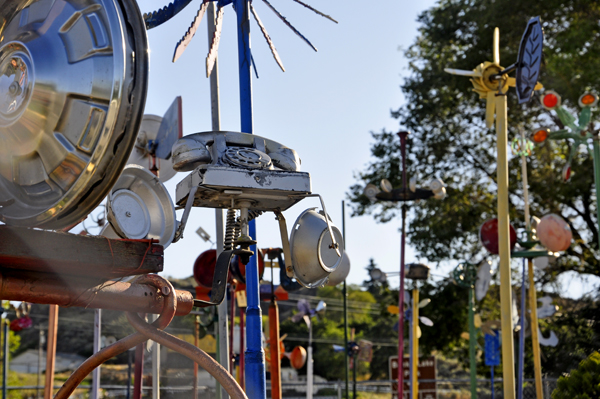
(63, 253)
(68, 291)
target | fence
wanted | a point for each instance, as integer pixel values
(446, 389)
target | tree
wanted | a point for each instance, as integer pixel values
(583, 383)
(449, 138)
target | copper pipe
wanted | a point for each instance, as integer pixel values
(126, 343)
(45, 288)
(50, 351)
(189, 350)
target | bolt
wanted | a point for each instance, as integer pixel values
(128, 214)
(166, 290)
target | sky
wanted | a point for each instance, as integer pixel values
(324, 106)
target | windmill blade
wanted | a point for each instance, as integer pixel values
(267, 38)
(424, 302)
(496, 45)
(511, 82)
(285, 21)
(211, 58)
(462, 72)
(490, 109)
(187, 38)
(426, 321)
(316, 11)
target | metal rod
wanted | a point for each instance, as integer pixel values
(472, 343)
(156, 366)
(522, 335)
(242, 378)
(535, 339)
(596, 157)
(402, 270)
(409, 317)
(138, 371)
(415, 343)
(39, 368)
(508, 364)
(45, 288)
(96, 348)
(50, 350)
(492, 369)
(196, 332)
(5, 360)
(129, 363)
(215, 107)
(345, 299)
(309, 362)
(275, 350)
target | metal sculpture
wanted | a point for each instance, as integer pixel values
(578, 130)
(404, 194)
(491, 82)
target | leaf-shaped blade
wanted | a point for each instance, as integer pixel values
(567, 118)
(584, 117)
(211, 58)
(462, 72)
(490, 109)
(187, 38)
(267, 38)
(496, 45)
(316, 11)
(285, 21)
(426, 320)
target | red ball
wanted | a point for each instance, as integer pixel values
(488, 234)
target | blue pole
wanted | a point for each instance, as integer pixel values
(492, 367)
(521, 337)
(254, 354)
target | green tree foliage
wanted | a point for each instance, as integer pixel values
(583, 383)
(449, 138)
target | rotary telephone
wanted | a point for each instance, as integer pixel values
(229, 167)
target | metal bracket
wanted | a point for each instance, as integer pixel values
(186, 214)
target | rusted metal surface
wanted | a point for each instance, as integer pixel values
(196, 354)
(167, 314)
(68, 291)
(52, 252)
(153, 332)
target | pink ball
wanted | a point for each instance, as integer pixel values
(554, 233)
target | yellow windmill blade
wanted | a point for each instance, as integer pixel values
(496, 45)
(462, 72)
(511, 82)
(490, 109)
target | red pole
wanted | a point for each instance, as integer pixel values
(139, 369)
(196, 333)
(275, 353)
(402, 136)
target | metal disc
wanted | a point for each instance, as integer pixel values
(140, 156)
(129, 215)
(73, 79)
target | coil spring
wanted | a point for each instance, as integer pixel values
(252, 214)
(230, 230)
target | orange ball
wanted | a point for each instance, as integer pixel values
(298, 357)
(554, 233)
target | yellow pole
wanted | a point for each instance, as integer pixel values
(415, 343)
(537, 362)
(508, 364)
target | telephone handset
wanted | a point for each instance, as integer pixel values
(234, 149)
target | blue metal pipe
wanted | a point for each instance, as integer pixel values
(254, 354)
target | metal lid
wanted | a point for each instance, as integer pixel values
(139, 206)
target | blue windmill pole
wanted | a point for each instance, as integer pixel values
(254, 354)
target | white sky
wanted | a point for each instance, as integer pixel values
(323, 106)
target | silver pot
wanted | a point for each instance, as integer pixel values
(313, 257)
(341, 272)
